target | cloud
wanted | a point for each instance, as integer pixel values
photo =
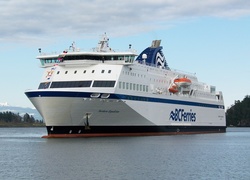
(23, 20)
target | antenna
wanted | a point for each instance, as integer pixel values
(144, 57)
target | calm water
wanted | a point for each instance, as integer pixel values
(24, 155)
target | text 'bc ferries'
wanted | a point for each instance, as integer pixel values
(105, 92)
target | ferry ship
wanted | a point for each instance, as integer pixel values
(105, 92)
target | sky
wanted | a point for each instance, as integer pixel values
(210, 38)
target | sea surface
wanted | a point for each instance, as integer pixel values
(25, 155)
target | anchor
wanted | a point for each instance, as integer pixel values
(87, 116)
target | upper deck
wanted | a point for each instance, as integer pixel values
(102, 53)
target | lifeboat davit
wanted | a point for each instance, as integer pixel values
(182, 82)
(173, 88)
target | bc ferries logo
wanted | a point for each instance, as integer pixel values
(160, 59)
(182, 115)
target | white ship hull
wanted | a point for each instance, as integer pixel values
(112, 116)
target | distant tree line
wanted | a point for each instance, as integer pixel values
(239, 113)
(10, 117)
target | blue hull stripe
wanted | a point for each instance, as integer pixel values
(119, 96)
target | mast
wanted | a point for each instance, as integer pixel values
(103, 45)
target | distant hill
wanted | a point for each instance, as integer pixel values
(21, 110)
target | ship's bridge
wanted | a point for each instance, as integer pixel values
(87, 58)
(101, 54)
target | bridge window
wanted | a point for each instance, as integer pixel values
(104, 84)
(70, 84)
(44, 85)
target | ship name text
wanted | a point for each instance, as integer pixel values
(108, 111)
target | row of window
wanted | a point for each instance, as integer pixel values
(98, 83)
(70, 84)
(100, 58)
(103, 84)
(144, 76)
(127, 58)
(45, 61)
(75, 84)
(133, 86)
(85, 71)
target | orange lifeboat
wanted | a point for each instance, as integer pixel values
(173, 88)
(182, 82)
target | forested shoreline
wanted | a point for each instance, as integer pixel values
(239, 114)
(10, 119)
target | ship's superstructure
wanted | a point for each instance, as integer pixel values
(106, 92)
